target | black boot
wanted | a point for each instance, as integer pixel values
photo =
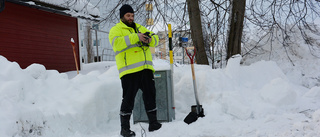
(125, 126)
(127, 133)
(153, 122)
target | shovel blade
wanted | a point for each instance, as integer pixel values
(201, 110)
(191, 117)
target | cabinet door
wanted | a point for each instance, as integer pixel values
(139, 113)
(162, 95)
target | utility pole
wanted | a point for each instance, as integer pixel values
(149, 9)
(98, 60)
(171, 63)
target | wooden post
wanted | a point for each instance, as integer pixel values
(74, 54)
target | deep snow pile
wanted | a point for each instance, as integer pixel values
(298, 60)
(255, 100)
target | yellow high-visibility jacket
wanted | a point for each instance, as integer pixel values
(130, 56)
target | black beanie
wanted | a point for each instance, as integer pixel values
(125, 9)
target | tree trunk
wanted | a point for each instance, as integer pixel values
(196, 31)
(236, 27)
(88, 41)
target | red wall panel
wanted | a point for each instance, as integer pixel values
(29, 35)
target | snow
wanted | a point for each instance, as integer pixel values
(76, 8)
(240, 100)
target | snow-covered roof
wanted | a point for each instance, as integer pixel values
(75, 8)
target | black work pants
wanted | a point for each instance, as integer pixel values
(131, 83)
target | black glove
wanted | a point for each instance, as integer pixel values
(147, 36)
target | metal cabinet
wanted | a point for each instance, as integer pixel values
(164, 99)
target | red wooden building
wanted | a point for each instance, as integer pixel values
(33, 33)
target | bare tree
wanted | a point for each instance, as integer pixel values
(196, 31)
(236, 27)
(274, 19)
(173, 11)
(278, 19)
(269, 16)
(215, 15)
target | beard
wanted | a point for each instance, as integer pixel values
(129, 23)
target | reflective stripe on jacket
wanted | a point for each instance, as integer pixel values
(130, 55)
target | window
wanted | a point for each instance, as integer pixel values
(95, 26)
(96, 59)
(95, 43)
(82, 59)
(82, 43)
(177, 35)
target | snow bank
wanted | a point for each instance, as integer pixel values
(299, 61)
(255, 100)
(36, 101)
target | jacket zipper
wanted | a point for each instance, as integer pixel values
(125, 58)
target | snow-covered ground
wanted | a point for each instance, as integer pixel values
(249, 101)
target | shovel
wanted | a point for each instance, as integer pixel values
(196, 110)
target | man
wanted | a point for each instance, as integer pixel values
(131, 42)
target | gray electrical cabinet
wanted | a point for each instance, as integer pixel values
(164, 99)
